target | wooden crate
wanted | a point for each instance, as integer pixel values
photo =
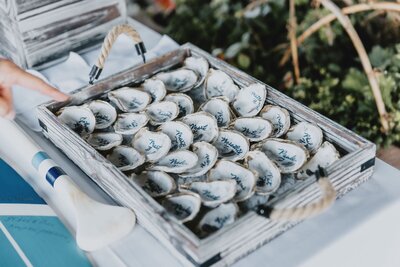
(40, 33)
(249, 232)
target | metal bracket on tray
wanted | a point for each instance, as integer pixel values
(108, 43)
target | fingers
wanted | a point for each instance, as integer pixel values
(6, 105)
(30, 81)
(11, 74)
(11, 115)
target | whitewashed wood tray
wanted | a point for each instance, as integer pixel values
(250, 231)
(37, 33)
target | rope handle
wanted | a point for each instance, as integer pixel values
(108, 43)
(300, 213)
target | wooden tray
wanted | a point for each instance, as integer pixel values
(251, 230)
(38, 33)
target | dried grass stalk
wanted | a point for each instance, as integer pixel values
(348, 26)
(293, 42)
(383, 6)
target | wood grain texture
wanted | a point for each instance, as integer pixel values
(31, 8)
(248, 232)
(43, 32)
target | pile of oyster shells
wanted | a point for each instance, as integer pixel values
(206, 149)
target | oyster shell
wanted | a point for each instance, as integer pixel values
(104, 141)
(198, 95)
(130, 123)
(154, 145)
(125, 158)
(219, 217)
(199, 65)
(183, 206)
(307, 134)
(104, 113)
(207, 157)
(78, 118)
(218, 83)
(279, 117)
(213, 193)
(179, 80)
(268, 174)
(129, 99)
(255, 201)
(203, 125)
(288, 182)
(324, 157)
(250, 100)
(176, 162)
(255, 129)
(180, 134)
(161, 112)
(287, 155)
(185, 180)
(155, 88)
(228, 170)
(156, 183)
(231, 145)
(184, 102)
(219, 108)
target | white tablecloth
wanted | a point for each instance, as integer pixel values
(359, 230)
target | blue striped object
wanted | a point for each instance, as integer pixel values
(53, 173)
(39, 158)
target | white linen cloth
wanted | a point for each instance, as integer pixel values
(359, 230)
(73, 73)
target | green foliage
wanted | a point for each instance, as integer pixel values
(333, 82)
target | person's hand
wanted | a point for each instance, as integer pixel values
(11, 74)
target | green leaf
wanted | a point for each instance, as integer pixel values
(258, 11)
(380, 57)
(233, 50)
(246, 38)
(387, 84)
(244, 60)
(397, 47)
(301, 2)
(355, 80)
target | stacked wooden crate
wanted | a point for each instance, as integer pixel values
(41, 32)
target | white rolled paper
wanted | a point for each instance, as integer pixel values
(97, 224)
